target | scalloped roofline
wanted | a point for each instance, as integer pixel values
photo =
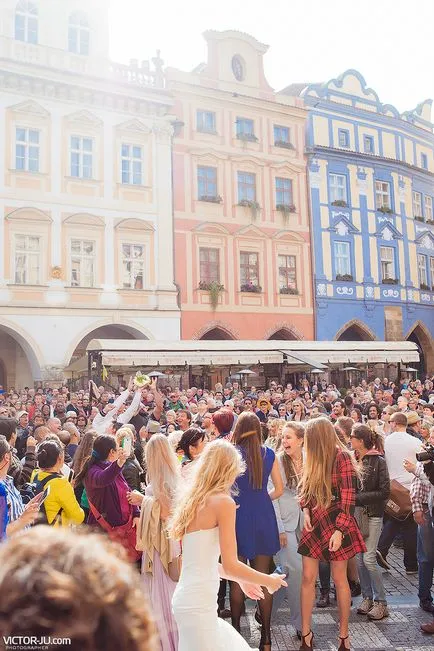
(320, 89)
(213, 34)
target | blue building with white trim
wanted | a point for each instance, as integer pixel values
(371, 172)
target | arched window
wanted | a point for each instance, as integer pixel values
(78, 34)
(26, 22)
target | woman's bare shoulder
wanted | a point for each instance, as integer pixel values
(220, 500)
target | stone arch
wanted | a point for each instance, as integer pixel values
(219, 328)
(355, 330)
(283, 331)
(26, 342)
(25, 213)
(420, 335)
(106, 329)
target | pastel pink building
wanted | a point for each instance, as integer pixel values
(242, 242)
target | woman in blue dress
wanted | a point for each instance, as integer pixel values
(256, 525)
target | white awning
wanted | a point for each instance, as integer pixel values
(179, 358)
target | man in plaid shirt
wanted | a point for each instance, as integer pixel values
(422, 502)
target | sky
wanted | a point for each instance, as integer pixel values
(389, 41)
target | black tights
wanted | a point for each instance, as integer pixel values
(260, 564)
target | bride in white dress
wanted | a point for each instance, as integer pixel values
(204, 519)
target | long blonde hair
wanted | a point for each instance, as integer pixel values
(163, 470)
(216, 471)
(321, 445)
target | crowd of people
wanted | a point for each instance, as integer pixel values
(214, 495)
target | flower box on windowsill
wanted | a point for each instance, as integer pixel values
(284, 143)
(390, 281)
(285, 208)
(340, 203)
(419, 218)
(385, 210)
(211, 199)
(207, 287)
(253, 289)
(345, 278)
(425, 287)
(289, 290)
(247, 137)
(253, 205)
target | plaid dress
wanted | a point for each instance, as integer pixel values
(340, 515)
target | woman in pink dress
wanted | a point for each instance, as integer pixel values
(160, 555)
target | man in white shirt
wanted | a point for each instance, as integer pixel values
(104, 419)
(398, 447)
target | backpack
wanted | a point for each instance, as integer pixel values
(31, 490)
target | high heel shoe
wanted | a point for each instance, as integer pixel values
(304, 645)
(342, 646)
(265, 643)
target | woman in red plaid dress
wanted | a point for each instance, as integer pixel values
(327, 496)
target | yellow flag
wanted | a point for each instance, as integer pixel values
(104, 373)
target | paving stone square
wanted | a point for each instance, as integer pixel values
(398, 632)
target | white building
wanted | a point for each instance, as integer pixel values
(86, 227)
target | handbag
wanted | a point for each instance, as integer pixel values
(124, 534)
(362, 519)
(398, 506)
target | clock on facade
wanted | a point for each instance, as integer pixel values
(238, 67)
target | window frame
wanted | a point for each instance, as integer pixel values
(212, 273)
(82, 258)
(384, 271)
(203, 179)
(30, 19)
(338, 257)
(26, 252)
(239, 122)
(428, 207)
(424, 161)
(130, 259)
(284, 191)
(345, 133)
(280, 128)
(246, 186)
(202, 128)
(380, 192)
(431, 271)
(28, 145)
(422, 269)
(251, 269)
(288, 271)
(132, 161)
(368, 144)
(82, 34)
(333, 187)
(81, 152)
(417, 203)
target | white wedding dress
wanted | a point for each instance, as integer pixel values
(195, 598)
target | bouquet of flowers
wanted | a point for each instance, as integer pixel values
(141, 380)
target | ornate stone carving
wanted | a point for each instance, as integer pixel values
(56, 273)
(321, 289)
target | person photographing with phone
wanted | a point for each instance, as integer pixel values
(107, 489)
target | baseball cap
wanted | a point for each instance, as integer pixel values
(71, 414)
(153, 427)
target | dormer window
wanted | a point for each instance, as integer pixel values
(26, 22)
(78, 34)
(238, 68)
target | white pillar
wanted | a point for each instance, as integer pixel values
(163, 189)
(56, 153)
(109, 260)
(56, 238)
(109, 181)
(4, 155)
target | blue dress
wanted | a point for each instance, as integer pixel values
(256, 525)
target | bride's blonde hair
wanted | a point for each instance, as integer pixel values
(216, 471)
(163, 470)
(320, 445)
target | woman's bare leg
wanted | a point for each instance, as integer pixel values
(343, 596)
(310, 572)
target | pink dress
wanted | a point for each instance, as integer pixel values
(159, 589)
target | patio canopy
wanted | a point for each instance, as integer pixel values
(315, 354)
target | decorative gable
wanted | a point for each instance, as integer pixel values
(136, 126)
(388, 231)
(426, 240)
(84, 119)
(30, 108)
(343, 226)
(250, 231)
